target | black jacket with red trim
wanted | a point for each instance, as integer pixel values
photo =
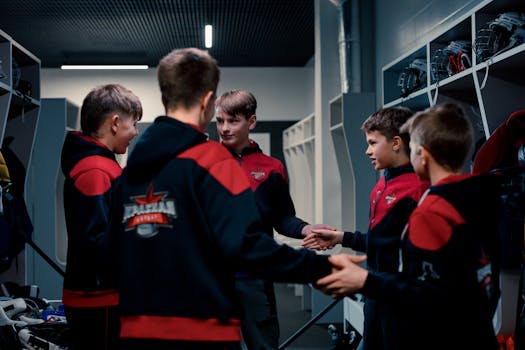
(392, 200)
(185, 222)
(269, 183)
(450, 269)
(89, 168)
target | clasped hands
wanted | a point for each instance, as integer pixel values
(347, 276)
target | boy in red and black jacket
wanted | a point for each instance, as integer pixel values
(109, 115)
(392, 200)
(185, 221)
(449, 259)
(236, 117)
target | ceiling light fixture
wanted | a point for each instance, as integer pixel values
(106, 67)
(208, 36)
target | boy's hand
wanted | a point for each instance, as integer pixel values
(310, 229)
(347, 278)
(322, 239)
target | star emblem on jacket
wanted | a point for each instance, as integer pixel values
(146, 213)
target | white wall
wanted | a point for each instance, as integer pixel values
(282, 93)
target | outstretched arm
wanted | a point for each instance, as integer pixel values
(349, 278)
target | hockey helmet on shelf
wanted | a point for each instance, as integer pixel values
(496, 36)
(450, 60)
(413, 77)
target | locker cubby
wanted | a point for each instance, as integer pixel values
(19, 113)
(299, 148)
(45, 194)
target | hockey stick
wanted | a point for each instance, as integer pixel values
(308, 324)
(43, 255)
(27, 238)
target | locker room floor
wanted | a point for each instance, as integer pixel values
(292, 318)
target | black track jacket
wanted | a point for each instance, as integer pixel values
(187, 222)
(89, 168)
(450, 269)
(269, 183)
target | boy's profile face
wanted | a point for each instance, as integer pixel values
(380, 150)
(234, 130)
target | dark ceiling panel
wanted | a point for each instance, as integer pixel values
(246, 32)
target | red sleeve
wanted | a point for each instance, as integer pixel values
(220, 164)
(430, 225)
(93, 175)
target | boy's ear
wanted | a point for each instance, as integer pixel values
(206, 100)
(115, 120)
(397, 143)
(252, 121)
(424, 154)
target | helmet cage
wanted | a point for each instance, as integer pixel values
(450, 60)
(412, 77)
(439, 65)
(503, 33)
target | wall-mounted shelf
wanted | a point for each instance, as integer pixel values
(488, 88)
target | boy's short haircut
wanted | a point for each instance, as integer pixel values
(446, 133)
(104, 101)
(237, 102)
(388, 122)
(185, 75)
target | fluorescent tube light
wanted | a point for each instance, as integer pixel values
(65, 66)
(208, 35)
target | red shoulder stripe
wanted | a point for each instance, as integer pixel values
(220, 164)
(93, 175)
(432, 223)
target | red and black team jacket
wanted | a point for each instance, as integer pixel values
(392, 200)
(185, 222)
(450, 268)
(89, 168)
(269, 183)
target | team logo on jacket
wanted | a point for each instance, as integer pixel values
(148, 212)
(390, 198)
(428, 272)
(258, 174)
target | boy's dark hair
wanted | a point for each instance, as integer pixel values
(237, 102)
(105, 100)
(185, 75)
(388, 121)
(446, 133)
